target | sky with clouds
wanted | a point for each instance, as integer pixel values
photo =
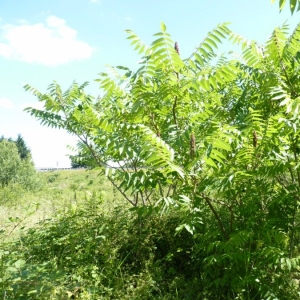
(67, 40)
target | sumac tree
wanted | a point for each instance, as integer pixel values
(215, 137)
(293, 4)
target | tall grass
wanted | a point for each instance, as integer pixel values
(57, 191)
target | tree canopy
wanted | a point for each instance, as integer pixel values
(16, 166)
(23, 150)
(10, 161)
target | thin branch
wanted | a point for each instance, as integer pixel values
(148, 197)
(136, 198)
(123, 194)
(174, 189)
(291, 172)
(297, 170)
(122, 168)
(154, 124)
(169, 190)
(231, 217)
(143, 200)
(161, 189)
(174, 112)
(208, 201)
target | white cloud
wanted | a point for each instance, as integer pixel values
(51, 43)
(6, 103)
(95, 1)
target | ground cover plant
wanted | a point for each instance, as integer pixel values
(207, 150)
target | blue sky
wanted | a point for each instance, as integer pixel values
(67, 40)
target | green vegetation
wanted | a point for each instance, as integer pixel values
(71, 243)
(16, 166)
(205, 199)
(23, 150)
(58, 191)
(293, 4)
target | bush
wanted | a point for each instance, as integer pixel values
(13, 169)
(85, 254)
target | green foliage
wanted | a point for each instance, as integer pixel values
(85, 253)
(294, 5)
(10, 162)
(87, 250)
(56, 191)
(23, 150)
(215, 138)
(13, 169)
(79, 161)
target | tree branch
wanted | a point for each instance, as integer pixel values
(208, 201)
(123, 194)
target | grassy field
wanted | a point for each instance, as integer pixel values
(58, 191)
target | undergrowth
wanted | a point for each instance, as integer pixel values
(94, 247)
(87, 254)
(72, 239)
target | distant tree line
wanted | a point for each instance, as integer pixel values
(23, 150)
(16, 165)
(80, 160)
